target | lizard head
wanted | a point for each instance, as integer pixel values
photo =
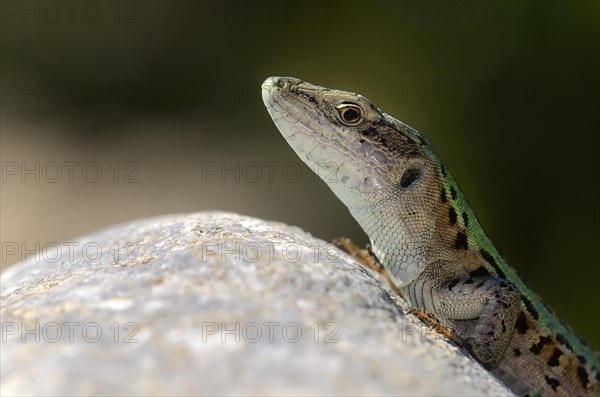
(364, 155)
(380, 168)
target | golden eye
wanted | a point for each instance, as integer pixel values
(350, 114)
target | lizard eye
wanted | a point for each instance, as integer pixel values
(350, 114)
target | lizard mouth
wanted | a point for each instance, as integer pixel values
(300, 108)
(292, 104)
(300, 112)
(292, 98)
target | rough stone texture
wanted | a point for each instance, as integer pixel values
(175, 290)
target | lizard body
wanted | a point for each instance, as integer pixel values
(426, 236)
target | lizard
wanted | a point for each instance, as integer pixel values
(428, 241)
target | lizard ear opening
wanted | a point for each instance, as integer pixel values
(410, 175)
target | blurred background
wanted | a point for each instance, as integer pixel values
(117, 110)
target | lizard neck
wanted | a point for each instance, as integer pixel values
(402, 229)
(401, 248)
(429, 222)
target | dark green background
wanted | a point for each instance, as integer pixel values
(507, 92)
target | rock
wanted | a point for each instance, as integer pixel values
(216, 303)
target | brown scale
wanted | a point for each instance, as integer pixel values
(454, 245)
(537, 360)
(534, 359)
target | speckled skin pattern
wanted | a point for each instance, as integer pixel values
(426, 236)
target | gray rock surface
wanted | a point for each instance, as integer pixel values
(216, 304)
